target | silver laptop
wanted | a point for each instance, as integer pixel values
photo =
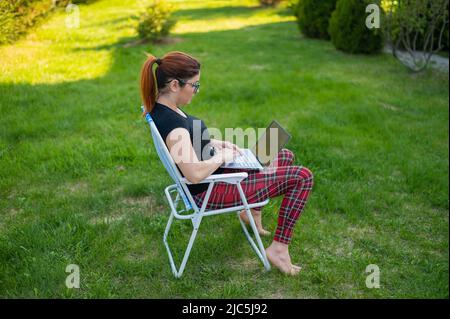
(265, 150)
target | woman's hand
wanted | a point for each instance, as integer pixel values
(228, 154)
(226, 145)
(233, 147)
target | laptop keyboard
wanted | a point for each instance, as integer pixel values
(246, 160)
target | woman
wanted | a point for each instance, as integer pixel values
(173, 84)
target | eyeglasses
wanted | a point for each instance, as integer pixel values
(195, 85)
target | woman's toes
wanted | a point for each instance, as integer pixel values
(280, 263)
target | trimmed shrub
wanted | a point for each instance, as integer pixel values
(348, 29)
(156, 21)
(313, 17)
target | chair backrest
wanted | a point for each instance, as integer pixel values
(168, 162)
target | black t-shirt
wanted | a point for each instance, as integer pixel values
(166, 120)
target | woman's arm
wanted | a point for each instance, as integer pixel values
(179, 144)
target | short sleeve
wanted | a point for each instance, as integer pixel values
(168, 126)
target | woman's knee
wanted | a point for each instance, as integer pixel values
(303, 174)
(307, 178)
(307, 174)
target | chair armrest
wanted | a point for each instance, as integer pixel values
(231, 178)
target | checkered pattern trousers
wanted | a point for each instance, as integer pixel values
(280, 178)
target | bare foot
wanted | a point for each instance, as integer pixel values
(278, 255)
(257, 217)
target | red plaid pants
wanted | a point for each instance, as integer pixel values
(280, 178)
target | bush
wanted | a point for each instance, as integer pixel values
(6, 22)
(313, 17)
(17, 16)
(156, 21)
(420, 21)
(292, 5)
(419, 27)
(348, 29)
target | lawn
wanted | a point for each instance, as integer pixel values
(80, 181)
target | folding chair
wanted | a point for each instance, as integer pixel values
(182, 191)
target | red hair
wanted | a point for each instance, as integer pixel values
(173, 65)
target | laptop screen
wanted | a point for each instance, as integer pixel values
(270, 143)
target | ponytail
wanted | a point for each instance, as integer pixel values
(148, 84)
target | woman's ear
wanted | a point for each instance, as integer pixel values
(174, 86)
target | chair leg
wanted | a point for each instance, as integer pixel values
(261, 252)
(179, 272)
(196, 220)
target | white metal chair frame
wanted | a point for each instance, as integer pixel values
(182, 191)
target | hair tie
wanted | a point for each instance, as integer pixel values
(158, 61)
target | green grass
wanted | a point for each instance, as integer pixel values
(80, 182)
